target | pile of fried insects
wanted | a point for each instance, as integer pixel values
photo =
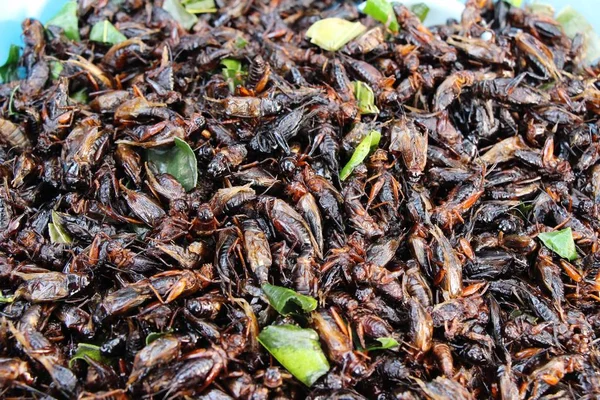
(257, 199)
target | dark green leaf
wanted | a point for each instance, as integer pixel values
(56, 68)
(382, 11)
(201, 6)
(561, 242)
(12, 99)
(366, 98)
(286, 301)
(369, 143)
(9, 70)
(180, 14)
(178, 161)
(152, 336)
(67, 20)
(420, 10)
(80, 96)
(385, 343)
(297, 350)
(56, 231)
(89, 350)
(333, 33)
(105, 32)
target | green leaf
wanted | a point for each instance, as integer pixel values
(80, 96)
(152, 336)
(286, 301)
(420, 10)
(8, 70)
(89, 350)
(56, 231)
(56, 68)
(561, 242)
(514, 3)
(67, 20)
(297, 349)
(333, 33)
(12, 99)
(105, 32)
(573, 23)
(369, 143)
(240, 43)
(385, 343)
(233, 73)
(178, 161)
(382, 11)
(201, 7)
(6, 299)
(180, 14)
(366, 98)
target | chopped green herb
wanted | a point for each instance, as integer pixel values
(6, 299)
(152, 336)
(366, 98)
(66, 19)
(561, 242)
(201, 7)
(180, 14)
(382, 11)
(56, 68)
(88, 350)
(179, 161)
(9, 70)
(240, 42)
(333, 33)
(514, 3)
(233, 73)
(12, 99)
(370, 142)
(106, 32)
(286, 301)
(385, 343)
(420, 10)
(56, 231)
(297, 350)
(80, 96)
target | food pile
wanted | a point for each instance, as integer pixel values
(298, 199)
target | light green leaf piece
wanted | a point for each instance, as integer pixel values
(333, 33)
(573, 23)
(366, 98)
(382, 11)
(56, 231)
(297, 350)
(6, 299)
(8, 70)
(541, 9)
(233, 73)
(12, 99)
(105, 32)
(80, 96)
(180, 14)
(514, 3)
(201, 7)
(178, 161)
(240, 42)
(420, 10)
(385, 344)
(286, 301)
(66, 19)
(369, 143)
(56, 68)
(152, 336)
(561, 242)
(88, 350)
